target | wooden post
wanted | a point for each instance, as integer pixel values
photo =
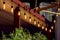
(16, 17)
(57, 28)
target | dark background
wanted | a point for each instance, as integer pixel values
(32, 2)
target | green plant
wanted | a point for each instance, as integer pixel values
(39, 36)
(21, 35)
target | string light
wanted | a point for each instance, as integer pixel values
(54, 21)
(50, 30)
(57, 15)
(38, 24)
(34, 22)
(58, 9)
(18, 13)
(29, 19)
(36, 8)
(4, 5)
(11, 9)
(42, 27)
(51, 27)
(45, 29)
(25, 15)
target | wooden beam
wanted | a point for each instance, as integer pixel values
(31, 10)
(45, 8)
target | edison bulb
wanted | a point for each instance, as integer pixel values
(18, 13)
(4, 6)
(42, 27)
(11, 10)
(51, 27)
(25, 17)
(45, 29)
(38, 25)
(30, 20)
(56, 15)
(50, 30)
(54, 21)
(34, 22)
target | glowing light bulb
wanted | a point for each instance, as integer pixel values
(57, 15)
(18, 13)
(42, 27)
(58, 9)
(25, 17)
(54, 21)
(38, 25)
(34, 22)
(11, 10)
(36, 8)
(29, 20)
(45, 29)
(50, 30)
(51, 27)
(4, 5)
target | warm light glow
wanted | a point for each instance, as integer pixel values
(11, 10)
(30, 20)
(58, 9)
(34, 22)
(57, 15)
(36, 8)
(50, 30)
(25, 17)
(38, 25)
(42, 27)
(4, 6)
(54, 21)
(45, 29)
(18, 13)
(51, 27)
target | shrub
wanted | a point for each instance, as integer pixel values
(21, 35)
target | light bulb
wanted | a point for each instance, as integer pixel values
(45, 29)
(51, 27)
(36, 8)
(4, 5)
(30, 20)
(25, 17)
(11, 10)
(42, 27)
(18, 13)
(34, 22)
(58, 9)
(50, 30)
(38, 25)
(57, 15)
(54, 21)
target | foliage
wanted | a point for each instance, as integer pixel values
(39, 36)
(21, 35)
